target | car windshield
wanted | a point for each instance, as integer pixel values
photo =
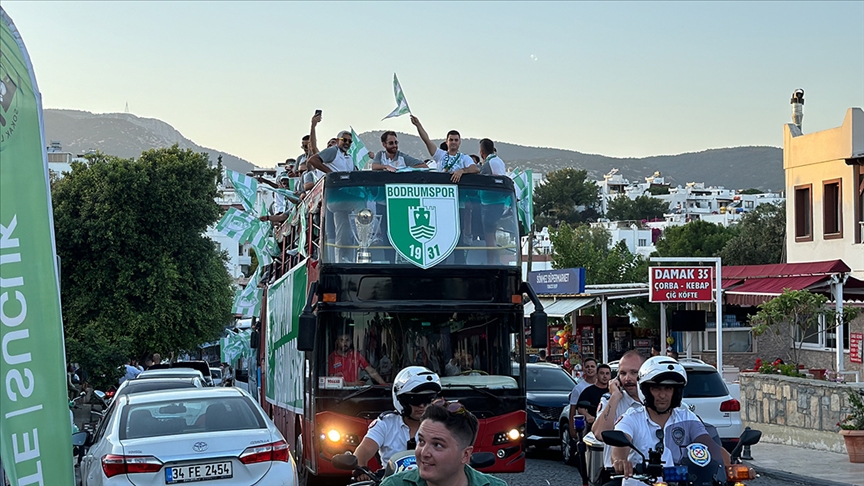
(153, 385)
(169, 374)
(216, 374)
(704, 384)
(467, 225)
(548, 379)
(190, 416)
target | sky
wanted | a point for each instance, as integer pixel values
(613, 78)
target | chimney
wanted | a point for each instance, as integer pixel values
(798, 107)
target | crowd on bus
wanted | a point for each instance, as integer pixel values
(301, 173)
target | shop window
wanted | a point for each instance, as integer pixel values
(832, 209)
(735, 340)
(804, 213)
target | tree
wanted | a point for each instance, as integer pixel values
(588, 247)
(752, 190)
(794, 315)
(566, 197)
(622, 208)
(694, 239)
(137, 273)
(761, 237)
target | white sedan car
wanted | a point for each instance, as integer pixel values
(217, 435)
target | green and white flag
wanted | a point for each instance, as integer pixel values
(245, 187)
(236, 346)
(35, 432)
(301, 240)
(237, 225)
(284, 377)
(401, 102)
(247, 301)
(358, 153)
(524, 185)
(261, 239)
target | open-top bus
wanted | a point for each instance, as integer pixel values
(404, 269)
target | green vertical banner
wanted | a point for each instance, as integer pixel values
(35, 429)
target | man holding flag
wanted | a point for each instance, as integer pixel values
(451, 161)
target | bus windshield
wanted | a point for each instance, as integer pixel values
(367, 348)
(471, 226)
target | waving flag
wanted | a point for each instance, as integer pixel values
(401, 103)
(246, 188)
(247, 301)
(35, 433)
(524, 184)
(358, 153)
(237, 225)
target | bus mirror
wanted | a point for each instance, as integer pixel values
(306, 331)
(539, 331)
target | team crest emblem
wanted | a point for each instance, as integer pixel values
(699, 454)
(423, 221)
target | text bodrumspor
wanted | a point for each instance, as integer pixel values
(420, 191)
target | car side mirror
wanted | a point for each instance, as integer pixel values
(539, 331)
(81, 438)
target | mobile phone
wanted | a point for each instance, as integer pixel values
(317, 112)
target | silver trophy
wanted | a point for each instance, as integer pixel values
(366, 226)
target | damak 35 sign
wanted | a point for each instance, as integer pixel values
(681, 284)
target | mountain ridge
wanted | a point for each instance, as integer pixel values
(127, 135)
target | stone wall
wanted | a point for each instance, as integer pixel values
(795, 411)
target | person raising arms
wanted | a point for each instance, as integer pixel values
(451, 160)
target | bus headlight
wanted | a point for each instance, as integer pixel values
(334, 435)
(513, 434)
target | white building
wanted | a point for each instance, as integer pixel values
(634, 234)
(825, 183)
(60, 162)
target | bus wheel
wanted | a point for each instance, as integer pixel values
(303, 476)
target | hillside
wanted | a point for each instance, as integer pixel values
(123, 135)
(735, 167)
(127, 135)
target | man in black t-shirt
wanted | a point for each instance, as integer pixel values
(594, 393)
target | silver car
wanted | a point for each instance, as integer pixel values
(217, 435)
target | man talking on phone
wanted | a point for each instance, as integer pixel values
(623, 394)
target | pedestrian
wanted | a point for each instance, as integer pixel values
(589, 399)
(451, 161)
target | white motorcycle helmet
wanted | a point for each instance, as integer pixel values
(661, 370)
(414, 385)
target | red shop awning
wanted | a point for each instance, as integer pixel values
(755, 291)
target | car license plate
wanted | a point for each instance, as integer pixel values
(555, 425)
(198, 472)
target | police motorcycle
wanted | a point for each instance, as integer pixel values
(399, 462)
(697, 467)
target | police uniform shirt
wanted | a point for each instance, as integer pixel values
(391, 434)
(626, 403)
(680, 431)
(448, 163)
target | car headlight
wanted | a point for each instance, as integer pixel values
(532, 408)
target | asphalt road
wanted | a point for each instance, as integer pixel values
(544, 468)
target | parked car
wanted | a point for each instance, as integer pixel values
(216, 376)
(155, 384)
(706, 394)
(171, 373)
(548, 389)
(219, 435)
(201, 366)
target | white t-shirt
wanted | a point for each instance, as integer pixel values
(448, 163)
(624, 404)
(391, 434)
(581, 385)
(402, 160)
(680, 431)
(336, 160)
(493, 166)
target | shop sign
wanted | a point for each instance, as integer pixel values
(856, 340)
(681, 284)
(564, 281)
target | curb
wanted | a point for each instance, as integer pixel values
(795, 478)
